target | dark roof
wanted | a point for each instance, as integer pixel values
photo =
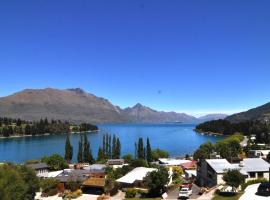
(75, 175)
(38, 166)
(115, 161)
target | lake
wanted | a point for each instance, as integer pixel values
(177, 139)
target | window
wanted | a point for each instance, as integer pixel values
(260, 174)
(252, 175)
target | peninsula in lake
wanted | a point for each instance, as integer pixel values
(76, 105)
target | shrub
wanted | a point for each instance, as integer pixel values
(73, 195)
(48, 184)
(52, 192)
(73, 185)
(251, 182)
(131, 193)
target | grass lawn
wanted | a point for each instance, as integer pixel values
(218, 197)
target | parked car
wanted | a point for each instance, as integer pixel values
(185, 193)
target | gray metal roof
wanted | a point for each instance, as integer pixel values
(219, 165)
(38, 166)
(247, 165)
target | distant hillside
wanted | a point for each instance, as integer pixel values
(76, 105)
(212, 117)
(143, 114)
(73, 105)
(261, 113)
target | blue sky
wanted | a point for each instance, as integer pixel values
(192, 56)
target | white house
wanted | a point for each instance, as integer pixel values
(211, 171)
(172, 161)
(135, 177)
(259, 153)
(41, 169)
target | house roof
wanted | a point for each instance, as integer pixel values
(94, 182)
(136, 174)
(38, 166)
(189, 165)
(115, 161)
(253, 165)
(219, 165)
(95, 168)
(71, 174)
(172, 161)
(247, 165)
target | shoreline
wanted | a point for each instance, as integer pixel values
(46, 134)
(207, 133)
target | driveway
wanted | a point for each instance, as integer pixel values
(250, 193)
(174, 193)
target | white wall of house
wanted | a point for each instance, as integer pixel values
(220, 181)
(42, 173)
(252, 177)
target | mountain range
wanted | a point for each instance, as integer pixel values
(77, 105)
(261, 113)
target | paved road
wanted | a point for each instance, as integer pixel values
(174, 193)
(250, 193)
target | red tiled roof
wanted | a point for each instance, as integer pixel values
(189, 165)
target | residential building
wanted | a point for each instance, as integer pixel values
(135, 177)
(172, 161)
(259, 153)
(211, 171)
(41, 169)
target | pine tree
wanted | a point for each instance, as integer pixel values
(100, 155)
(87, 153)
(118, 148)
(110, 147)
(80, 151)
(136, 151)
(140, 153)
(149, 155)
(103, 147)
(68, 150)
(114, 150)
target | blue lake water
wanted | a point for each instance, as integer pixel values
(177, 139)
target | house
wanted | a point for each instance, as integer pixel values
(172, 161)
(93, 186)
(135, 177)
(41, 169)
(73, 174)
(189, 165)
(211, 171)
(258, 153)
(115, 162)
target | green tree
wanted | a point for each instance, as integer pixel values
(156, 181)
(17, 182)
(149, 155)
(127, 158)
(114, 151)
(80, 151)
(31, 181)
(100, 156)
(140, 149)
(55, 162)
(158, 153)
(12, 186)
(87, 153)
(204, 152)
(68, 150)
(233, 178)
(118, 148)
